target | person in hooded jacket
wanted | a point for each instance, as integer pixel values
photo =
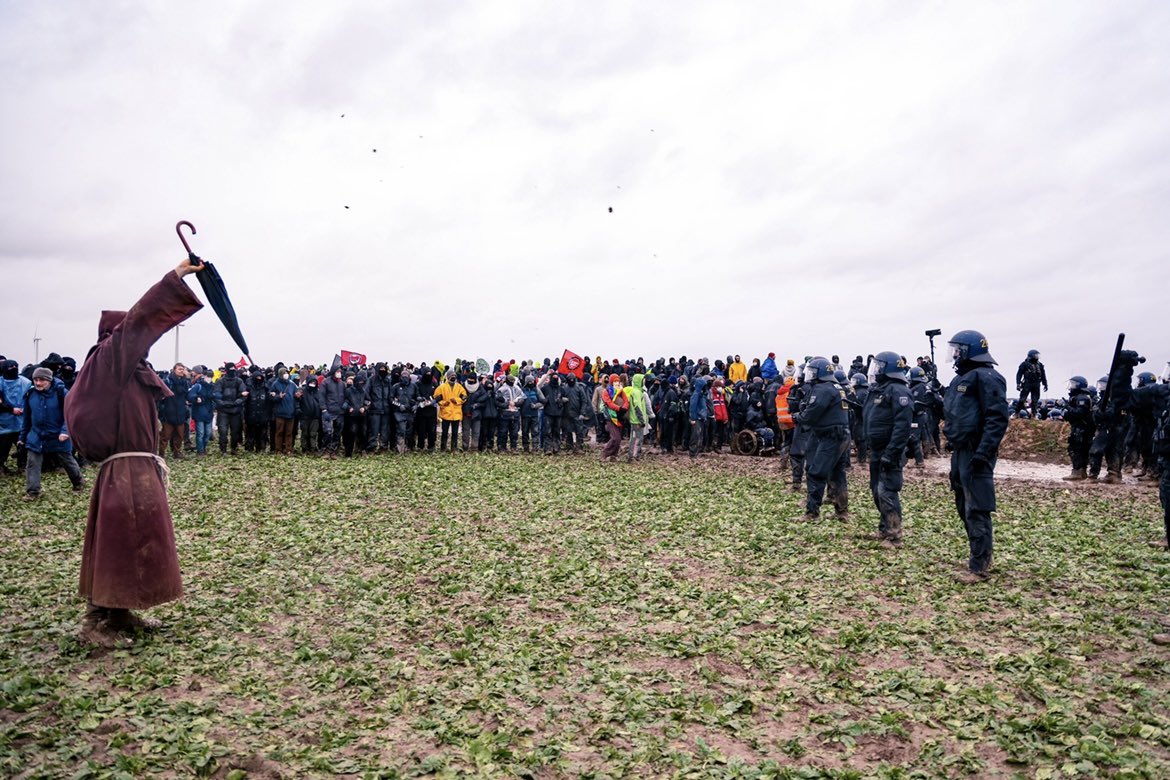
(737, 406)
(472, 412)
(257, 412)
(332, 391)
(639, 416)
(13, 388)
(530, 412)
(379, 414)
(510, 400)
(556, 401)
(282, 395)
(229, 395)
(43, 431)
(698, 413)
(668, 414)
(576, 418)
(404, 401)
(353, 428)
(426, 418)
(720, 417)
(450, 396)
(489, 411)
(309, 408)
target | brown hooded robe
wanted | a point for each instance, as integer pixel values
(129, 559)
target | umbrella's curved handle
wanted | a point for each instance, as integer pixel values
(178, 229)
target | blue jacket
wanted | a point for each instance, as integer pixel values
(13, 391)
(202, 412)
(700, 407)
(284, 408)
(768, 370)
(44, 419)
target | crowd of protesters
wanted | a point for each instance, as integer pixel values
(668, 405)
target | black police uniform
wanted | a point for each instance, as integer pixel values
(1161, 447)
(1078, 412)
(1029, 376)
(976, 418)
(888, 416)
(799, 446)
(826, 417)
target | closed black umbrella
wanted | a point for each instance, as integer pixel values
(216, 293)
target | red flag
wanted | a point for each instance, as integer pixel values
(352, 358)
(571, 363)
(243, 363)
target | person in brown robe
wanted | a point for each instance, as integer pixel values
(128, 560)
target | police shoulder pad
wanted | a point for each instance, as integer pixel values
(904, 400)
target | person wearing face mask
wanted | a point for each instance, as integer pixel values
(473, 412)
(510, 400)
(378, 416)
(229, 395)
(13, 388)
(201, 400)
(426, 413)
(354, 419)
(332, 392)
(489, 415)
(282, 394)
(257, 412)
(173, 412)
(975, 420)
(450, 395)
(576, 415)
(309, 407)
(556, 399)
(68, 372)
(404, 401)
(530, 412)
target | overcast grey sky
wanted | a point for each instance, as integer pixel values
(792, 177)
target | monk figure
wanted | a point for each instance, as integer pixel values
(129, 560)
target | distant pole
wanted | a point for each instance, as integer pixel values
(37, 349)
(177, 342)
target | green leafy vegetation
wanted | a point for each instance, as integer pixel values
(417, 615)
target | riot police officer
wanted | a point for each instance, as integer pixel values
(888, 416)
(1078, 412)
(860, 387)
(1029, 377)
(976, 419)
(825, 415)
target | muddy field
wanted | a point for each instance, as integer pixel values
(529, 616)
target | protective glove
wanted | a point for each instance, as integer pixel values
(978, 460)
(888, 461)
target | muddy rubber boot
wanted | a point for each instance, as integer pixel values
(127, 621)
(1112, 477)
(97, 630)
(894, 523)
(1076, 476)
